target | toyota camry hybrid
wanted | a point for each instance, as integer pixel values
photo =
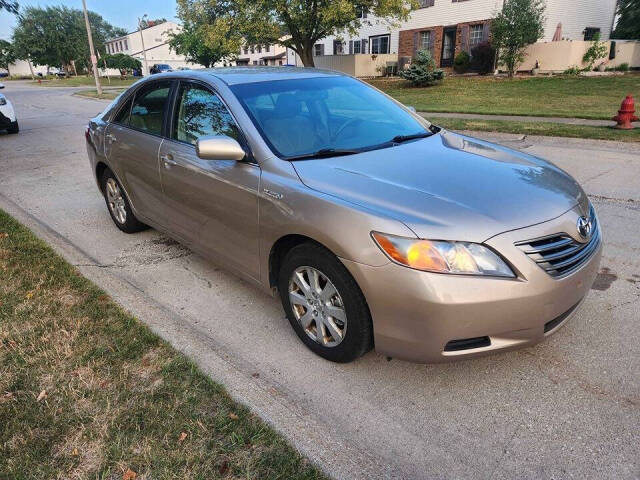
(375, 227)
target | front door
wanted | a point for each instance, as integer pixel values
(212, 204)
(133, 141)
(448, 46)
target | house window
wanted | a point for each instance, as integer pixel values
(120, 45)
(280, 62)
(255, 62)
(380, 44)
(361, 12)
(253, 49)
(426, 40)
(246, 50)
(267, 48)
(259, 48)
(425, 3)
(475, 34)
(338, 47)
(590, 33)
(357, 46)
(126, 45)
(318, 50)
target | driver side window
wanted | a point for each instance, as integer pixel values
(200, 112)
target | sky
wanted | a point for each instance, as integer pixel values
(119, 13)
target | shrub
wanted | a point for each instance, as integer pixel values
(573, 71)
(423, 72)
(483, 57)
(623, 67)
(462, 62)
(596, 51)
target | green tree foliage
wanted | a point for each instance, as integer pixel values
(121, 62)
(299, 24)
(147, 22)
(423, 72)
(57, 36)
(628, 26)
(10, 6)
(519, 24)
(7, 55)
(596, 51)
(208, 33)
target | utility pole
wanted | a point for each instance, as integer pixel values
(94, 60)
(144, 52)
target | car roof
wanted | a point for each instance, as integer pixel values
(239, 75)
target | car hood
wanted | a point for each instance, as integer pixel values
(449, 186)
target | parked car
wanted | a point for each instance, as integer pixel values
(160, 68)
(375, 227)
(4, 74)
(8, 120)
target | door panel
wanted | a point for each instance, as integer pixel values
(210, 203)
(134, 156)
(448, 47)
(213, 204)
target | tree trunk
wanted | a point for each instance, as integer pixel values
(33, 77)
(306, 54)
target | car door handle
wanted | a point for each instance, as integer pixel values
(168, 161)
(110, 137)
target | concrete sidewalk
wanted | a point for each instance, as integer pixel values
(520, 118)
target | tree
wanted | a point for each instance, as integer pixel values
(207, 35)
(7, 55)
(57, 36)
(519, 24)
(423, 72)
(121, 62)
(10, 6)
(146, 23)
(299, 24)
(628, 26)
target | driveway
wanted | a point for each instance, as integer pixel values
(567, 408)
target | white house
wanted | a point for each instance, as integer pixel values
(274, 55)
(156, 45)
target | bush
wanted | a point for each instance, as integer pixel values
(483, 57)
(596, 51)
(423, 72)
(573, 71)
(623, 67)
(462, 62)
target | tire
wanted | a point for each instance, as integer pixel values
(119, 208)
(13, 128)
(357, 329)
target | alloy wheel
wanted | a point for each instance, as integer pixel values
(115, 200)
(317, 306)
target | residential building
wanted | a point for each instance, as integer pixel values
(445, 27)
(274, 55)
(156, 44)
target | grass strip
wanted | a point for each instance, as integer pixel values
(87, 391)
(541, 128)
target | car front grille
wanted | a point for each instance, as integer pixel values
(560, 255)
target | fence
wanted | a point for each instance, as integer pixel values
(358, 65)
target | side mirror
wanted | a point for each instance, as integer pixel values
(413, 109)
(219, 147)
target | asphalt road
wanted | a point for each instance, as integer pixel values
(566, 408)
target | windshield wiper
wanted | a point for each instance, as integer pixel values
(414, 136)
(325, 152)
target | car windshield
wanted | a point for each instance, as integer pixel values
(304, 117)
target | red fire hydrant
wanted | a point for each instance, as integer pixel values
(625, 114)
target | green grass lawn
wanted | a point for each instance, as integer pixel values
(540, 128)
(87, 391)
(559, 96)
(85, 81)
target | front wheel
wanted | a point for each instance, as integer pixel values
(324, 304)
(13, 128)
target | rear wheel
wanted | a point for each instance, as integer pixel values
(324, 304)
(13, 128)
(118, 204)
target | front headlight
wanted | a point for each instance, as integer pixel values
(442, 256)
(3, 101)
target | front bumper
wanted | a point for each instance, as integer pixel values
(422, 317)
